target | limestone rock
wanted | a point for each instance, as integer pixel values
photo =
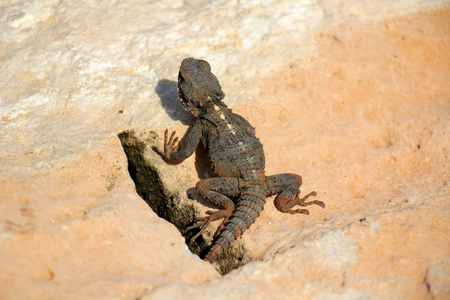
(352, 95)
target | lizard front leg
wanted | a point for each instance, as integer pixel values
(175, 152)
(286, 187)
(216, 190)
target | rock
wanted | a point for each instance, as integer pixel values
(168, 190)
(353, 96)
(83, 226)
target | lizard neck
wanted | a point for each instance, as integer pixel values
(213, 109)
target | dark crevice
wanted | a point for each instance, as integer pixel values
(168, 206)
(149, 185)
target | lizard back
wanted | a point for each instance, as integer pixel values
(231, 144)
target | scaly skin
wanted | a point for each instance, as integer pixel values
(236, 155)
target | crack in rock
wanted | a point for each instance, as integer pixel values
(154, 180)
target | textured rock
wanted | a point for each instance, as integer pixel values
(352, 95)
(82, 226)
(374, 143)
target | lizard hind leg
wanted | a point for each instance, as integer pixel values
(203, 222)
(216, 190)
(286, 187)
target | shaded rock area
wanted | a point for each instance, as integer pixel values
(166, 190)
(352, 95)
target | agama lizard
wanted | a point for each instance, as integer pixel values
(236, 155)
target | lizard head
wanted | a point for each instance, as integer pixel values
(197, 86)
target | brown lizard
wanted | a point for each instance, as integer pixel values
(236, 155)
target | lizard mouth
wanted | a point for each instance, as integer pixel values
(187, 105)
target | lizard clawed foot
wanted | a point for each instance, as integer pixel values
(204, 221)
(170, 145)
(302, 202)
(221, 227)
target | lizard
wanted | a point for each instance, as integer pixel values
(236, 156)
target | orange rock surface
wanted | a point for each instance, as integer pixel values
(365, 119)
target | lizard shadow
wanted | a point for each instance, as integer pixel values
(168, 95)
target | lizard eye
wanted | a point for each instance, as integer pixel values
(184, 76)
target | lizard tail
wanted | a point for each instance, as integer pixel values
(250, 204)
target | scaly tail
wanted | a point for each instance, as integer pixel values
(249, 206)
